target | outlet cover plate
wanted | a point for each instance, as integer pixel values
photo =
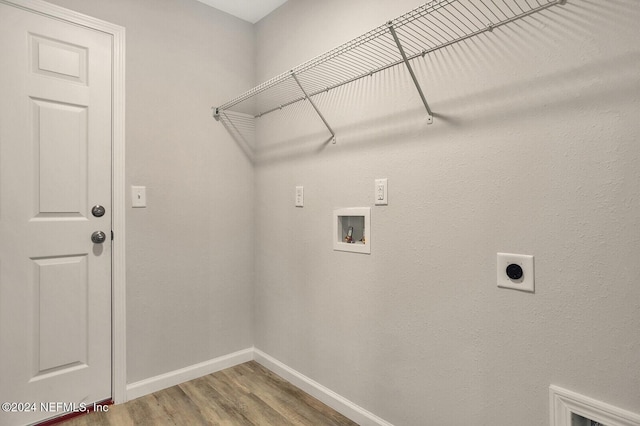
(527, 282)
(381, 192)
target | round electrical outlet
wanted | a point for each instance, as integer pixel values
(514, 271)
(511, 272)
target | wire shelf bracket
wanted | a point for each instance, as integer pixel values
(313, 104)
(413, 75)
(432, 26)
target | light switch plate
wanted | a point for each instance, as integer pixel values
(138, 196)
(526, 282)
(299, 196)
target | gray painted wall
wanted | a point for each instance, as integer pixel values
(534, 150)
(190, 252)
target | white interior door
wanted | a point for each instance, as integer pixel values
(55, 165)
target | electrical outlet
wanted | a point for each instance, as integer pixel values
(515, 271)
(381, 192)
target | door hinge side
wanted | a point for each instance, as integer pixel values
(112, 235)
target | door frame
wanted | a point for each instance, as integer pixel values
(118, 270)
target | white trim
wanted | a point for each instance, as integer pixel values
(163, 381)
(315, 389)
(118, 368)
(119, 206)
(563, 403)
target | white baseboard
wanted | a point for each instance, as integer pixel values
(315, 389)
(163, 381)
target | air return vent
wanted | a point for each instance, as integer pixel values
(572, 409)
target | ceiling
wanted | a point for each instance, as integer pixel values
(248, 10)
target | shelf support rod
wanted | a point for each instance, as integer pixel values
(413, 75)
(306, 95)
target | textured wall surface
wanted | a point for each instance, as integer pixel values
(534, 150)
(190, 252)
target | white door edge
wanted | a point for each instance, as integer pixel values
(118, 276)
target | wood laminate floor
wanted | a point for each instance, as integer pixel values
(247, 394)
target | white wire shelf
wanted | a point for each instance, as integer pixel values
(419, 32)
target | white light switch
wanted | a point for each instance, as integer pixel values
(138, 196)
(381, 192)
(299, 196)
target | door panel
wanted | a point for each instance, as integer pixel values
(60, 143)
(60, 302)
(58, 59)
(55, 164)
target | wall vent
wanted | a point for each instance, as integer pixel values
(578, 420)
(572, 409)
